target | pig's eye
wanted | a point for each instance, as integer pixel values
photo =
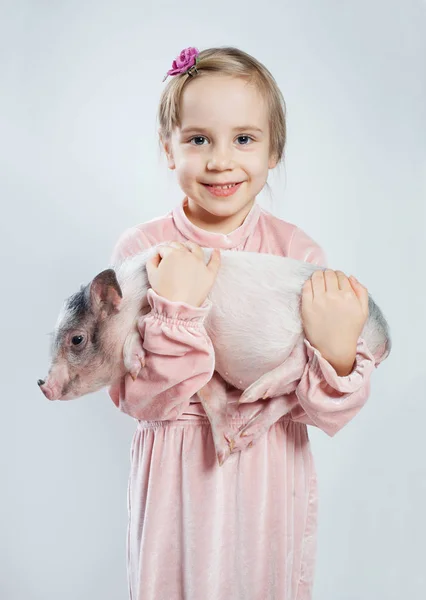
(77, 339)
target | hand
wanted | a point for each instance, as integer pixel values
(334, 312)
(179, 274)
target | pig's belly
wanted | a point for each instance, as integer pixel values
(238, 373)
(243, 363)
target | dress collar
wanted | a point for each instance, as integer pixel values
(210, 239)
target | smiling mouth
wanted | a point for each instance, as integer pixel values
(226, 186)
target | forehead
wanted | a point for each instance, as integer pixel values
(221, 100)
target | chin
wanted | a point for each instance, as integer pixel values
(224, 207)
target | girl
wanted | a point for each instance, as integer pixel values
(246, 530)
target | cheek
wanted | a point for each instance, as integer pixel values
(257, 163)
(189, 165)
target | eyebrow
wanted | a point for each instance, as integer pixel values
(239, 128)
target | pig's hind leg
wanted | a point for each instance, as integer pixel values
(274, 409)
(281, 380)
(133, 353)
(213, 397)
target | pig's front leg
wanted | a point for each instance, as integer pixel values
(133, 352)
(274, 409)
(213, 397)
(281, 380)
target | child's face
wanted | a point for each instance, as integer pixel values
(223, 138)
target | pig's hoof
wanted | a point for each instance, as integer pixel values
(242, 441)
(222, 455)
(250, 395)
(138, 363)
(224, 451)
(261, 390)
(134, 371)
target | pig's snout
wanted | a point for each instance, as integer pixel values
(45, 389)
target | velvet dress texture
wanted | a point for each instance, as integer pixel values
(245, 530)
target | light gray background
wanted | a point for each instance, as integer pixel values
(80, 83)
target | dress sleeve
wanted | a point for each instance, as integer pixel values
(131, 242)
(327, 400)
(179, 355)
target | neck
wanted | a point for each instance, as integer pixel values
(214, 223)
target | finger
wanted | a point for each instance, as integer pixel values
(214, 262)
(318, 283)
(177, 246)
(164, 251)
(352, 278)
(343, 281)
(195, 249)
(307, 290)
(154, 261)
(356, 285)
(152, 265)
(331, 281)
(362, 294)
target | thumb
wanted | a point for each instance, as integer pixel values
(214, 263)
(361, 292)
(152, 265)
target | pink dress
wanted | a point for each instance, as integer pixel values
(246, 530)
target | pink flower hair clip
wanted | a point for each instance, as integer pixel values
(184, 63)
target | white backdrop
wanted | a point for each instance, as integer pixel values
(80, 83)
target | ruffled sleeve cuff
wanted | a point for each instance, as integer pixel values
(364, 365)
(177, 311)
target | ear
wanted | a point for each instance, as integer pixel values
(105, 293)
(167, 146)
(272, 162)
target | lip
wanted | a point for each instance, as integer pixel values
(220, 192)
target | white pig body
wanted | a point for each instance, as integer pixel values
(255, 321)
(254, 324)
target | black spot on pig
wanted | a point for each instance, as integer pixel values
(78, 305)
(94, 338)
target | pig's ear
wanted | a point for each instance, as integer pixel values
(105, 292)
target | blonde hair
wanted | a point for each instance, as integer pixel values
(235, 62)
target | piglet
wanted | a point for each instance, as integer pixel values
(254, 324)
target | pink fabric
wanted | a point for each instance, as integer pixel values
(246, 530)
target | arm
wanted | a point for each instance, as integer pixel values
(179, 356)
(328, 400)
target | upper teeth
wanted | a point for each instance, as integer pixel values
(224, 187)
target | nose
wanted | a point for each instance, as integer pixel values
(46, 391)
(220, 159)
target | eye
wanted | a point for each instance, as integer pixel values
(77, 339)
(244, 139)
(197, 139)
